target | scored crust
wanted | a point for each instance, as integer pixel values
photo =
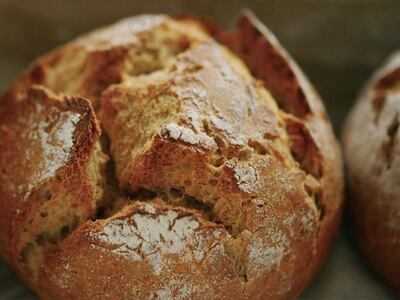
(229, 182)
(89, 65)
(50, 178)
(371, 144)
(310, 131)
(152, 252)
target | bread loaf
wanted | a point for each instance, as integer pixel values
(371, 143)
(215, 174)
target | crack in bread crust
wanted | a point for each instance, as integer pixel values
(193, 143)
(213, 150)
(54, 175)
(268, 61)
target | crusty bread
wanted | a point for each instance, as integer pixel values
(371, 143)
(216, 176)
(52, 173)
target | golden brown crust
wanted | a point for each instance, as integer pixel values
(47, 142)
(269, 61)
(243, 162)
(88, 65)
(151, 251)
(371, 143)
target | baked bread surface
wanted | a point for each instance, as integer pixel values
(371, 143)
(216, 174)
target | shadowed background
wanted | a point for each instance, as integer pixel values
(338, 43)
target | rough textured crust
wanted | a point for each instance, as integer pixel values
(47, 153)
(296, 96)
(226, 176)
(371, 143)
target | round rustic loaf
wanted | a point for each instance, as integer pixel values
(164, 158)
(372, 150)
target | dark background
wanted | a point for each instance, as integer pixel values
(338, 43)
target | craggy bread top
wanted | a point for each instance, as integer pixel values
(223, 177)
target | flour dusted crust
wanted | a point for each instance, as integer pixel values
(371, 143)
(51, 172)
(218, 173)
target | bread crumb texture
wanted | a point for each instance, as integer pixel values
(159, 158)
